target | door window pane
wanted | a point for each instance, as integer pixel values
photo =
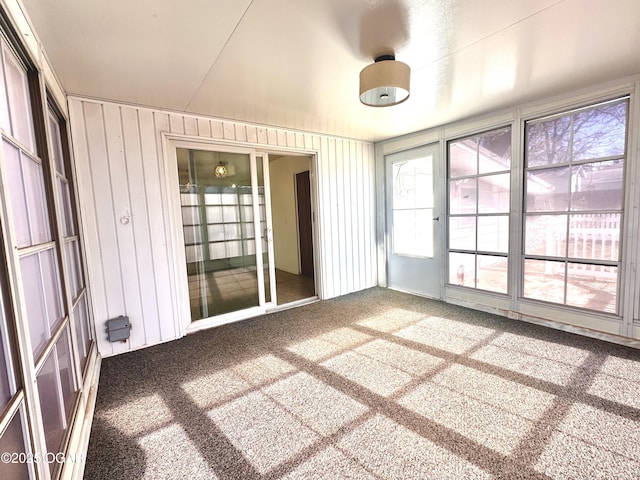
(232, 214)
(493, 233)
(594, 236)
(600, 132)
(41, 283)
(214, 214)
(462, 233)
(56, 143)
(463, 158)
(592, 286)
(546, 235)
(5, 121)
(64, 194)
(222, 266)
(65, 367)
(26, 189)
(548, 142)
(19, 101)
(81, 321)
(548, 190)
(5, 370)
(597, 186)
(413, 183)
(190, 215)
(462, 269)
(52, 288)
(544, 280)
(216, 232)
(494, 151)
(53, 416)
(193, 234)
(412, 204)
(74, 267)
(36, 203)
(463, 195)
(492, 273)
(12, 442)
(13, 169)
(494, 193)
(413, 232)
(36, 309)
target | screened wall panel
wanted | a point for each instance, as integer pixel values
(573, 206)
(44, 347)
(479, 200)
(123, 189)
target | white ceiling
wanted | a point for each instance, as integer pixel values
(295, 63)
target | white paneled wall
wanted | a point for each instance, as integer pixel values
(123, 193)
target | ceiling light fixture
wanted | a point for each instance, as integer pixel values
(221, 170)
(385, 82)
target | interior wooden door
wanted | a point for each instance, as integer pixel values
(303, 193)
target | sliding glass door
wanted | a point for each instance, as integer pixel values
(226, 226)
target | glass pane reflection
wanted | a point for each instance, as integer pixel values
(217, 214)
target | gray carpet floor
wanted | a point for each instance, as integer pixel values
(373, 385)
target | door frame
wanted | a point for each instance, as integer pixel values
(179, 278)
(307, 233)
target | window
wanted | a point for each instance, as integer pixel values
(413, 204)
(574, 196)
(479, 179)
(45, 334)
(69, 232)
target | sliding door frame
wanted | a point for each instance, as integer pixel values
(183, 315)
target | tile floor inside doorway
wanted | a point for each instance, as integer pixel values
(235, 289)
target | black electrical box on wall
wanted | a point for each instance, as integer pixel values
(118, 329)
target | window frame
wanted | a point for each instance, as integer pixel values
(556, 112)
(508, 127)
(71, 378)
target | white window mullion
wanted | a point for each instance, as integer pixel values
(24, 347)
(58, 234)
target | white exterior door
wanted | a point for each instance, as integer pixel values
(414, 212)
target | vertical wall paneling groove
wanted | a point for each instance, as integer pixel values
(176, 123)
(139, 224)
(340, 208)
(346, 209)
(356, 161)
(241, 133)
(216, 129)
(168, 325)
(204, 128)
(124, 191)
(370, 199)
(98, 156)
(357, 204)
(252, 134)
(334, 239)
(86, 196)
(160, 258)
(125, 245)
(228, 131)
(190, 126)
(380, 220)
(338, 180)
(633, 217)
